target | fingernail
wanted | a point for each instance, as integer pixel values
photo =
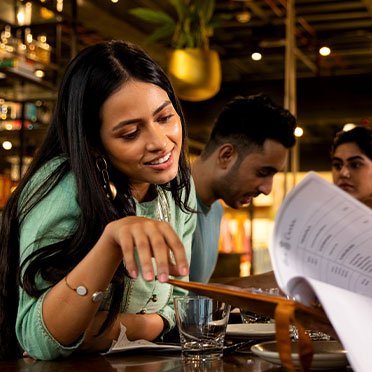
(162, 278)
(184, 271)
(148, 275)
(133, 274)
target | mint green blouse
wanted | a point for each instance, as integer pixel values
(54, 218)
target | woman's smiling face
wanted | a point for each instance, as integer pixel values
(141, 133)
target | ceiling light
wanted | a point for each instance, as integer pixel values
(256, 56)
(243, 17)
(298, 132)
(59, 5)
(348, 126)
(7, 145)
(324, 51)
(114, 1)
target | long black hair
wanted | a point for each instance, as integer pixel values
(90, 78)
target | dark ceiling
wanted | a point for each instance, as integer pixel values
(331, 90)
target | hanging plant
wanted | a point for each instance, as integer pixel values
(194, 24)
(194, 69)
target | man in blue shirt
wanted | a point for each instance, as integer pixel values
(248, 145)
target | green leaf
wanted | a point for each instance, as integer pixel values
(218, 20)
(149, 15)
(181, 8)
(189, 41)
(163, 32)
(207, 9)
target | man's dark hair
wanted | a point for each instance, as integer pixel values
(361, 136)
(247, 122)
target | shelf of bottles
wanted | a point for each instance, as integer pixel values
(247, 232)
(26, 56)
(28, 75)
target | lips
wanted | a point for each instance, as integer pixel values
(246, 201)
(160, 160)
(161, 163)
(346, 186)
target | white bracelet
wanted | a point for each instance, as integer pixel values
(83, 291)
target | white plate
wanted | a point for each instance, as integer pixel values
(327, 354)
(256, 331)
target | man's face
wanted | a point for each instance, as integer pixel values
(253, 176)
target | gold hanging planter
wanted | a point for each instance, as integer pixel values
(195, 73)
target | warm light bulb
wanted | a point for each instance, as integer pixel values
(114, 1)
(298, 132)
(256, 56)
(21, 17)
(7, 145)
(324, 51)
(348, 126)
(244, 16)
(59, 6)
(39, 73)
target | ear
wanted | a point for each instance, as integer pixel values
(226, 155)
(96, 153)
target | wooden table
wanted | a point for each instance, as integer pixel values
(140, 362)
(144, 362)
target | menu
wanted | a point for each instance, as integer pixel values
(321, 251)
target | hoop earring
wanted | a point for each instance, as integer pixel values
(108, 186)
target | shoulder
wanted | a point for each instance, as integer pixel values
(44, 173)
(56, 198)
(217, 207)
(41, 176)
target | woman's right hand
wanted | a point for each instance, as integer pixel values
(151, 238)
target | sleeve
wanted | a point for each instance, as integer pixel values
(51, 220)
(190, 223)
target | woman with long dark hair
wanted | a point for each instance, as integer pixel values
(103, 214)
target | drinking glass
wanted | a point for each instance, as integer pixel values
(251, 317)
(202, 325)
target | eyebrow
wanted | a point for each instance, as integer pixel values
(356, 157)
(131, 121)
(270, 169)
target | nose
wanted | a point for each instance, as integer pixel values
(266, 186)
(345, 172)
(156, 138)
